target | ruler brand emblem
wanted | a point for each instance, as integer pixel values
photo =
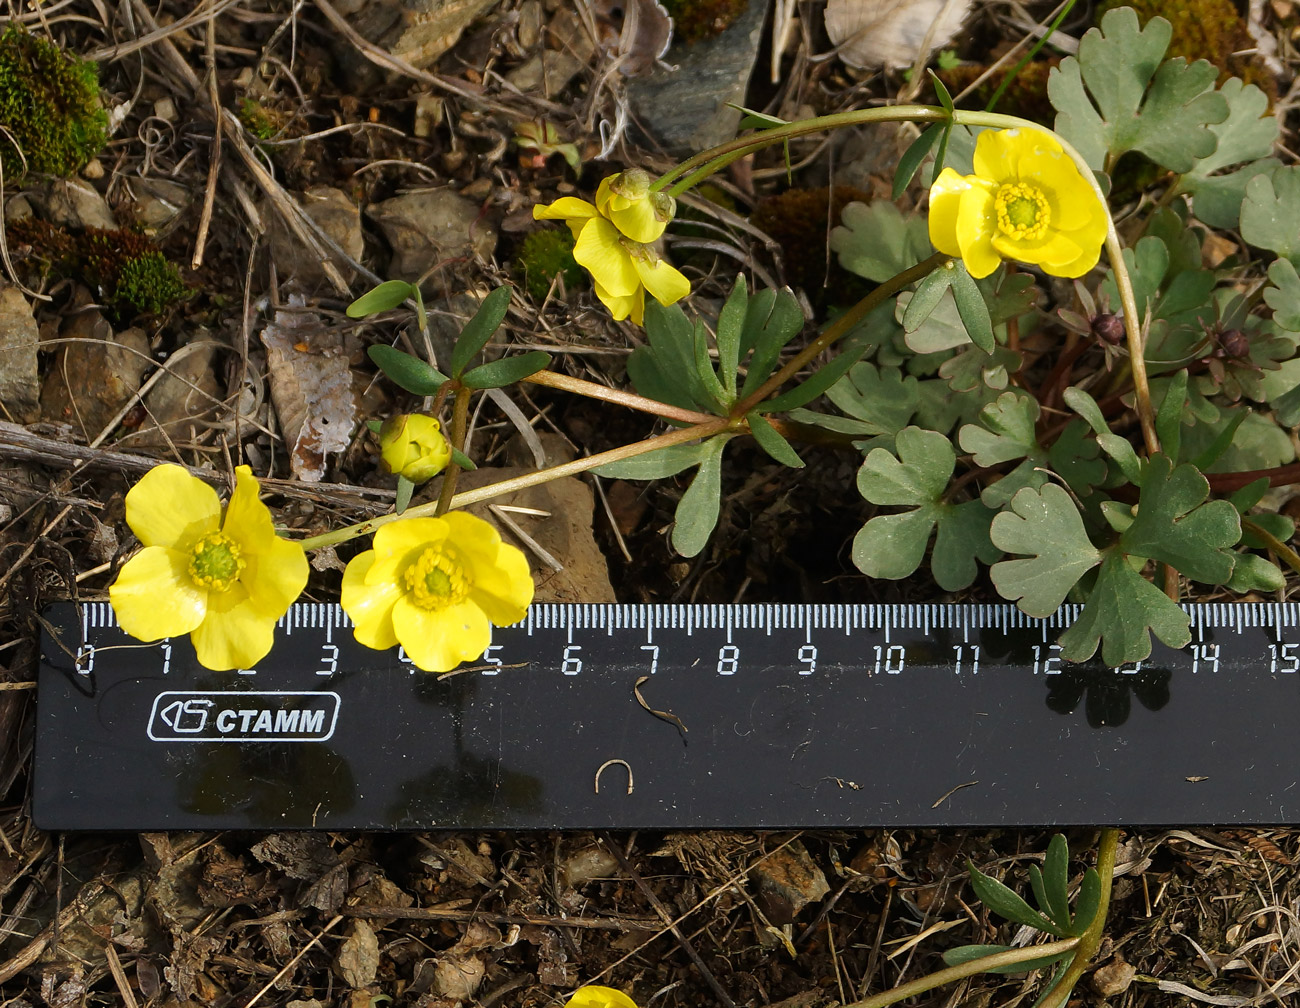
(243, 716)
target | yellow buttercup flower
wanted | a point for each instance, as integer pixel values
(436, 586)
(623, 266)
(413, 445)
(593, 996)
(224, 582)
(1026, 201)
(626, 200)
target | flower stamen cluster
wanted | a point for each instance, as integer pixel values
(1022, 211)
(215, 562)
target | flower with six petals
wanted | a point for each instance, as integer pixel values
(1026, 201)
(223, 580)
(436, 586)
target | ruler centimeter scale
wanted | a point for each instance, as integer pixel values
(675, 716)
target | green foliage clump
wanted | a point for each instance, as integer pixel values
(128, 270)
(150, 283)
(1211, 30)
(799, 220)
(49, 107)
(544, 255)
(694, 20)
(262, 122)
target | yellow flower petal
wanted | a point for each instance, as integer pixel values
(369, 606)
(500, 582)
(248, 520)
(945, 199)
(595, 996)
(622, 306)
(236, 633)
(600, 251)
(975, 226)
(662, 280)
(565, 208)
(275, 577)
(169, 507)
(155, 597)
(635, 218)
(439, 640)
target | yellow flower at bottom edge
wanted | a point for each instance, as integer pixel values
(623, 269)
(224, 582)
(593, 996)
(1026, 201)
(436, 586)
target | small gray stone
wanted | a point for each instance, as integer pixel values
(20, 385)
(158, 202)
(93, 376)
(75, 203)
(336, 215)
(430, 227)
(570, 49)
(686, 107)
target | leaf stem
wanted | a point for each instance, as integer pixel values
(459, 424)
(1090, 940)
(953, 973)
(1284, 552)
(839, 328)
(592, 390)
(716, 425)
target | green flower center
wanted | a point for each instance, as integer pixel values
(1022, 211)
(215, 562)
(436, 581)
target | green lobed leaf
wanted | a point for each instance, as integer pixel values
(1270, 214)
(664, 368)
(971, 369)
(1253, 573)
(919, 475)
(820, 380)
(1118, 96)
(893, 546)
(1075, 458)
(1112, 444)
(731, 324)
(1045, 525)
(875, 240)
(941, 329)
(506, 371)
(770, 323)
(1005, 903)
(1286, 408)
(657, 464)
(1245, 137)
(1006, 431)
(972, 308)
(1284, 294)
(1122, 612)
(884, 399)
(479, 329)
(963, 954)
(962, 537)
(406, 371)
(1174, 526)
(771, 441)
(1169, 418)
(386, 296)
(697, 511)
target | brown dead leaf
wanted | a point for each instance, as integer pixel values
(311, 387)
(889, 33)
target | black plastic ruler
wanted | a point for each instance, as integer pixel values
(626, 716)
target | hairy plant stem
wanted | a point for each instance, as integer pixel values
(953, 973)
(459, 425)
(716, 425)
(594, 391)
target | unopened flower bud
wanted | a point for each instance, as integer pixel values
(1109, 328)
(632, 184)
(413, 445)
(1235, 343)
(625, 200)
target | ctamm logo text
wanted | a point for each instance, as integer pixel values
(241, 716)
